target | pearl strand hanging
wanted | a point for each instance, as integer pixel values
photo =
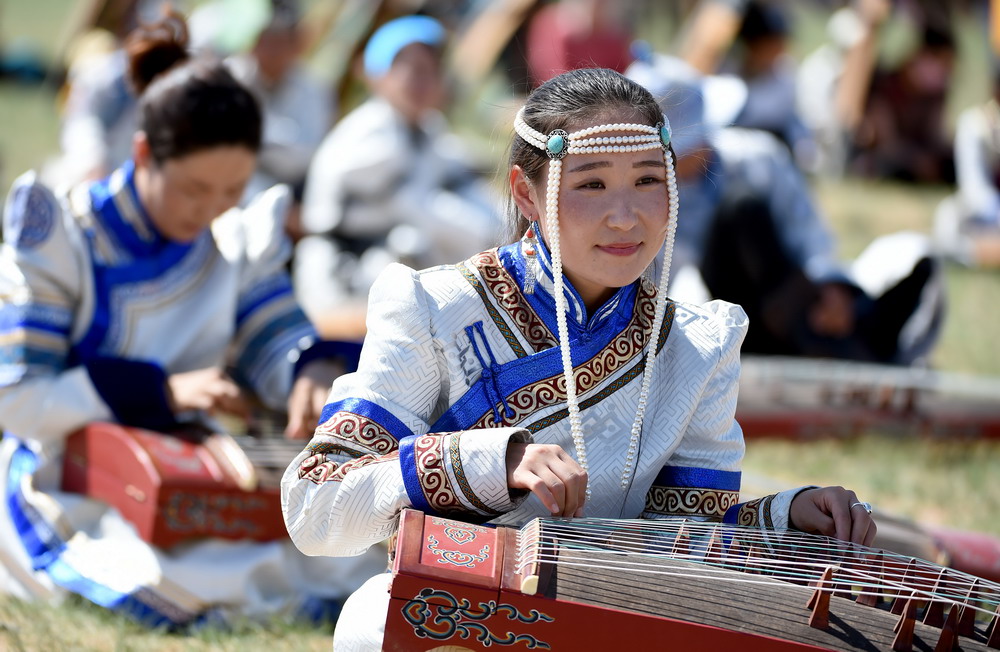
(562, 327)
(658, 316)
(650, 138)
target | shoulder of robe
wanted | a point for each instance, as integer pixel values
(31, 214)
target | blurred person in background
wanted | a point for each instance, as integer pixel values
(99, 115)
(298, 108)
(752, 235)
(100, 112)
(98, 120)
(902, 132)
(765, 64)
(571, 34)
(967, 224)
(389, 183)
(750, 39)
(149, 299)
(833, 81)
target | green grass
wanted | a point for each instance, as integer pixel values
(28, 138)
(79, 626)
(947, 483)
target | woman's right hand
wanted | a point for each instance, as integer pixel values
(206, 389)
(551, 474)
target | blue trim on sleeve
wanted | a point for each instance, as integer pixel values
(408, 464)
(28, 325)
(702, 478)
(276, 287)
(134, 390)
(731, 514)
(17, 360)
(268, 336)
(33, 316)
(23, 355)
(373, 411)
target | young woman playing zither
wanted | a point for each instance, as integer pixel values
(461, 404)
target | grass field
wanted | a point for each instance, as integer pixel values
(79, 626)
(950, 483)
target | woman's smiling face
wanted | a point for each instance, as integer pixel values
(612, 214)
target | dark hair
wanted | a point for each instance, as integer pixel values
(571, 97)
(187, 104)
(938, 37)
(762, 21)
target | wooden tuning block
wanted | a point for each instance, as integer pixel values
(934, 614)
(948, 639)
(680, 548)
(899, 603)
(903, 641)
(967, 616)
(820, 600)
(993, 640)
(878, 566)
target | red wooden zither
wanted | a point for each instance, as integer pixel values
(575, 584)
(803, 398)
(174, 488)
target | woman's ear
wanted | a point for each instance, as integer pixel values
(523, 192)
(141, 153)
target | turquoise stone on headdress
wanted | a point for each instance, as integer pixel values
(555, 144)
(558, 144)
(665, 135)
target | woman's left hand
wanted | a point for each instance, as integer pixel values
(833, 511)
(309, 394)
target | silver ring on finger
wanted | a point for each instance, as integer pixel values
(866, 506)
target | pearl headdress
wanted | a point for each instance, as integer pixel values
(590, 141)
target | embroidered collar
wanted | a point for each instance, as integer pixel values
(542, 296)
(116, 201)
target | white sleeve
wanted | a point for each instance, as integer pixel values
(270, 324)
(976, 188)
(372, 454)
(42, 263)
(713, 439)
(712, 447)
(362, 155)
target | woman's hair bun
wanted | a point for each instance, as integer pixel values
(154, 48)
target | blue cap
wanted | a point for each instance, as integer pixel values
(395, 35)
